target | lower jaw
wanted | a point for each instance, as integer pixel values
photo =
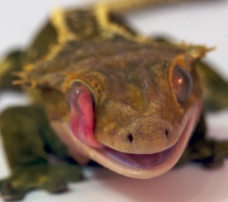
(131, 165)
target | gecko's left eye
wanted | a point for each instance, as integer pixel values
(181, 83)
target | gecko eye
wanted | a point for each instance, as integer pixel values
(181, 83)
(82, 118)
(77, 94)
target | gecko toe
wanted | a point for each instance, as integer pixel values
(9, 193)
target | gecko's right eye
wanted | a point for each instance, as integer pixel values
(77, 94)
(181, 83)
(82, 118)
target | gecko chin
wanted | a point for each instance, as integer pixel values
(142, 166)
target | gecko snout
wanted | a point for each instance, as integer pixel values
(144, 135)
(130, 136)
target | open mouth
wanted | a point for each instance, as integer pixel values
(138, 161)
(79, 138)
(142, 166)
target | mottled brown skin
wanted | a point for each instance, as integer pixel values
(103, 66)
(117, 95)
(130, 78)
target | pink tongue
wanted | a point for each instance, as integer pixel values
(82, 114)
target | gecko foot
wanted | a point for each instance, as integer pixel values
(50, 178)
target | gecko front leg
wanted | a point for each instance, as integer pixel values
(29, 143)
(210, 153)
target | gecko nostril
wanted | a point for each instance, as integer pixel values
(167, 133)
(130, 138)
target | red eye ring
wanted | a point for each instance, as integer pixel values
(181, 83)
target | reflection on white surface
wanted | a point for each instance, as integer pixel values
(188, 184)
(202, 23)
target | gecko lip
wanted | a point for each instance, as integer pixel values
(138, 161)
(141, 166)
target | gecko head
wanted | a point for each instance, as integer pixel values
(135, 114)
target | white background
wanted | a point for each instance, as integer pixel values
(204, 23)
